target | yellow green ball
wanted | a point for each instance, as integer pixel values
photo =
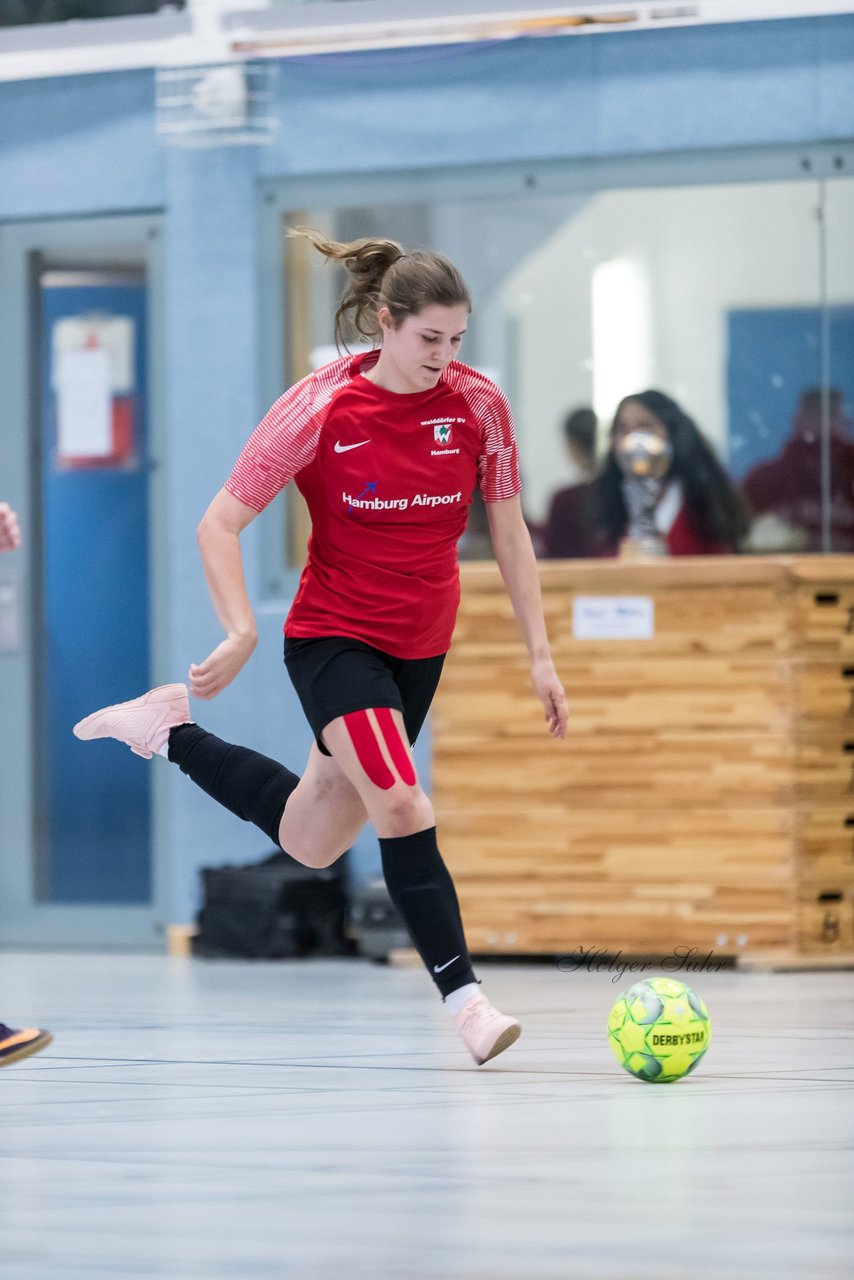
(659, 1030)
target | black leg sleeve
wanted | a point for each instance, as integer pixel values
(252, 786)
(421, 888)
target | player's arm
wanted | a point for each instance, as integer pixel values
(219, 542)
(10, 534)
(514, 553)
(282, 443)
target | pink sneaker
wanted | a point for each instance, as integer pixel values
(484, 1030)
(143, 724)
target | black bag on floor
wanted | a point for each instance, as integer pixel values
(374, 922)
(273, 910)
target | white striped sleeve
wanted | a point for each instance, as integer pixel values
(285, 440)
(498, 463)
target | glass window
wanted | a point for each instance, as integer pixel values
(736, 301)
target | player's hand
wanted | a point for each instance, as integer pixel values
(550, 692)
(10, 533)
(210, 677)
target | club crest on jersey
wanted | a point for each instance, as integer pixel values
(442, 433)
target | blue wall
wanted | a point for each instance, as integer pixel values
(720, 86)
(86, 145)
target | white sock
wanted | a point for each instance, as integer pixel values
(164, 750)
(455, 1001)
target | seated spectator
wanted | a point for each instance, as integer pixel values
(699, 511)
(568, 532)
(789, 487)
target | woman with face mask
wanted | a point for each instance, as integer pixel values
(698, 511)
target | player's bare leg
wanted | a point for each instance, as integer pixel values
(323, 816)
(249, 784)
(371, 774)
(372, 751)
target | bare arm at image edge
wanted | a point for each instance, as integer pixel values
(10, 533)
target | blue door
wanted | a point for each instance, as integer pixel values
(93, 801)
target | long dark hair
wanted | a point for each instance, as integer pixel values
(715, 509)
(382, 274)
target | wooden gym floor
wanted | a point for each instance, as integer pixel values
(320, 1120)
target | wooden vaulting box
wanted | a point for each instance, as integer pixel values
(704, 795)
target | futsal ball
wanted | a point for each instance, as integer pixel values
(659, 1030)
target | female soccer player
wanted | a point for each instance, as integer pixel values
(387, 448)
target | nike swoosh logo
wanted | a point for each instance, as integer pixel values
(345, 448)
(437, 968)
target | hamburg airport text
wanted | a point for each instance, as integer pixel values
(400, 504)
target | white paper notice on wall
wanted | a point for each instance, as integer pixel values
(613, 618)
(114, 333)
(84, 404)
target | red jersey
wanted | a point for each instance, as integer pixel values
(388, 480)
(683, 540)
(674, 523)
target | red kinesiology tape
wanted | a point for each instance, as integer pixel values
(397, 749)
(364, 739)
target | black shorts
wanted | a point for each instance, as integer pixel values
(334, 675)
